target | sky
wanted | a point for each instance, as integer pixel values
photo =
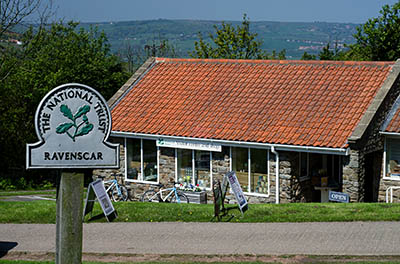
(346, 11)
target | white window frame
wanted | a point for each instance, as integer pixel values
(247, 192)
(141, 163)
(386, 162)
(194, 167)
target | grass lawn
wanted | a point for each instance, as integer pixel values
(18, 193)
(45, 212)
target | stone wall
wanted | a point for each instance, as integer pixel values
(108, 174)
(350, 175)
(369, 148)
(384, 185)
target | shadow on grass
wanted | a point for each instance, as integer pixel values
(109, 218)
(96, 217)
(6, 246)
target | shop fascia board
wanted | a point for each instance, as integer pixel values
(278, 147)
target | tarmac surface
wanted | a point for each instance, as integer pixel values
(334, 238)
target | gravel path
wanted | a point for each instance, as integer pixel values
(348, 238)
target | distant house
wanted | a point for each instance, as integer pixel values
(291, 130)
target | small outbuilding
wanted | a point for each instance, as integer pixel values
(291, 130)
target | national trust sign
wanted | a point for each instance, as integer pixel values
(73, 122)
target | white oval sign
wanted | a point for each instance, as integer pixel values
(73, 122)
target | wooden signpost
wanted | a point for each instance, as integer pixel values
(73, 123)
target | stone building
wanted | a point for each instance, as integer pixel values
(291, 130)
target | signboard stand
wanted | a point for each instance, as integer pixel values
(96, 190)
(68, 220)
(219, 197)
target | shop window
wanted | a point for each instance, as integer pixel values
(141, 160)
(133, 159)
(185, 166)
(259, 171)
(202, 169)
(194, 168)
(240, 159)
(393, 157)
(149, 160)
(255, 181)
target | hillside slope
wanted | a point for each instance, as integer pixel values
(295, 37)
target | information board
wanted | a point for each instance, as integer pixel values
(237, 191)
(96, 189)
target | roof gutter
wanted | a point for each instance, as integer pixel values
(392, 134)
(281, 147)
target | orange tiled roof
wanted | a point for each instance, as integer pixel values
(307, 103)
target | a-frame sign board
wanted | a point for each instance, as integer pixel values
(96, 190)
(220, 193)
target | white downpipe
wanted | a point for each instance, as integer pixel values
(276, 174)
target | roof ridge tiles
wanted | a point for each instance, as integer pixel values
(276, 62)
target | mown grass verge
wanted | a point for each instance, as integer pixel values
(45, 212)
(19, 193)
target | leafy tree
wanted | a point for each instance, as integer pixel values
(333, 54)
(379, 38)
(307, 56)
(326, 53)
(15, 13)
(58, 54)
(134, 56)
(231, 43)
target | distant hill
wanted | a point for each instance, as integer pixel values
(295, 37)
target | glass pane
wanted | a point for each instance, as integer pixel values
(150, 160)
(133, 159)
(185, 166)
(240, 166)
(259, 171)
(393, 150)
(202, 166)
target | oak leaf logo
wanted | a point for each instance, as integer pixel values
(81, 129)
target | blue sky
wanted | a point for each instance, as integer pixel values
(348, 11)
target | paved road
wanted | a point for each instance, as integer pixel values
(354, 238)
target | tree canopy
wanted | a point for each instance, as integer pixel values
(379, 38)
(232, 43)
(52, 56)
